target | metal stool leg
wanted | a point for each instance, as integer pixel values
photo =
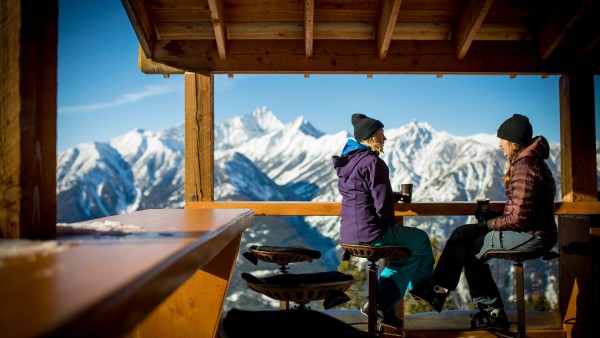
(372, 297)
(520, 299)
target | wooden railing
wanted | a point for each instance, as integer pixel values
(401, 209)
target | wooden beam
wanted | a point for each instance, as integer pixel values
(556, 27)
(578, 137)
(469, 20)
(29, 29)
(349, 57)
(219, 26)
(148, 66)
(142, 26)
(574, 277)
(309, 17)
(386, 25)
(10, 128)
(199, 142)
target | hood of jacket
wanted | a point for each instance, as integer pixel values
(538, 148)
(352, 153)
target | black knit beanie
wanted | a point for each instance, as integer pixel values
(364, 126)
(516, 129)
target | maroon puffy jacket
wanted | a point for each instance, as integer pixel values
(530, 194)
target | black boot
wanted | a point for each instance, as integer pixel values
(435, 296)
(489, 317)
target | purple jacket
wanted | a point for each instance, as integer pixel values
(367, 197)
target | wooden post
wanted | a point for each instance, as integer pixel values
(579, 183)
(199, 137)
(578, 137)
(28, 64)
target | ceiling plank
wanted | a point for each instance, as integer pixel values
(309, 16)
(187, 14)
(504, 32)
(180, 30)
(554, 30)
(185, 30)
(295, 31)
(421, 31)
(142, 26)
(265, 30)
(442, 30)
(468, 23)
(219, 26)
(386, 25)
(344, 30)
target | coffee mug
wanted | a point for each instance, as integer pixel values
(406, 192)
(483, 205)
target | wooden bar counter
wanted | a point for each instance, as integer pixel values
(168, 280)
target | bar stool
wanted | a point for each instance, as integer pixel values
(282, 256)
(373, 254)
(303, 288)
(518, 257)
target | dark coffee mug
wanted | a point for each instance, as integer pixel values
(483, 205)
(406, 192)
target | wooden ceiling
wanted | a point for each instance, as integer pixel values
(367, 36)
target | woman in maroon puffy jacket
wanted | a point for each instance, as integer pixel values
(527, 221)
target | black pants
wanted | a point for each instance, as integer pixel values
(463, 249)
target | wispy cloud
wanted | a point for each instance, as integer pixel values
(149, 91)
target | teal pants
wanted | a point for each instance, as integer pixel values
(416, 269)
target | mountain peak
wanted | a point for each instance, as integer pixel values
(414, 131)
(266, 120)
(302, 124)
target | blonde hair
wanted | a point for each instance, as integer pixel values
(373, 143)
(514, 149)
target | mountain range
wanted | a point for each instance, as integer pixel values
(258, 158)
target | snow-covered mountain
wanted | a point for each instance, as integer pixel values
(257, 157)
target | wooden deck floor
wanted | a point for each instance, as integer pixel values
(456, 324)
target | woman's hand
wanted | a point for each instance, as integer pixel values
(485, 215)
(397, 196)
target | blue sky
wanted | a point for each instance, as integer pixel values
(103, 94)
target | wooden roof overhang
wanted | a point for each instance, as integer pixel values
(367, 36)
(359, 36)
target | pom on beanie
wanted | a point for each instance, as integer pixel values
(516, 129)
(364, 126)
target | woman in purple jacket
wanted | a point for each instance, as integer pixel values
(367, 216)
(527, 221)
